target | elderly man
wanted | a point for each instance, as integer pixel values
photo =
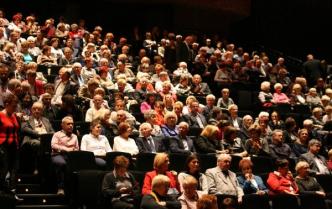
(279, 149)
(198, 87)
(62, 142)
(63, 86)
(223, 181)
(76, 76)
(35, 126)
(148, 143)
(182, 143)
(316, 162)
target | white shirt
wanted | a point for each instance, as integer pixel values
(322, 168)
(99, 146)
(93, 114)
(123, 145)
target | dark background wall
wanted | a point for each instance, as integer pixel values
(295, 27)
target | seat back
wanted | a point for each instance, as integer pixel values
(144, 161)
(45, 144)
(80, 160)
(254, 201)
(178, 161)
(312, 201)
(262, 164)
(282, 201)
(207, 161)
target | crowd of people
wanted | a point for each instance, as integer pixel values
(149, 94)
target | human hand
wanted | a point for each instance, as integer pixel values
(321, 193)
(162, 203)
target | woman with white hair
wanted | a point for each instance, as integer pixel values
(278, 96)
(305, 182)
(158, 197)
(265, 96)
(170, 129)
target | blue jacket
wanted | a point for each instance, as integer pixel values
(248, 187)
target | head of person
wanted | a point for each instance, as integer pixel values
(183, 128)
(121, 164)
(124, 130)
(263, 116)
(77, 68)
(192, 164)
(245, 166)
(210, 100)
(150, 116)
(98, 101)
(46, 99)
(95, 127)
(224, 162)
(265, 86)
(317, 112)
(282, 166)
(314, 146)
(10, 102)
(145, 130)
(207, 201)
(255, 131)
(171, 119)
(303, 135)
(275, 116)
(302, 169)
(277, 136)
(160, 184)
(247, 121)
(290, 124)
(210, 132)
(197, 79)
(161, 163)
(177, 108)
(67, 125)
(233, 110)
(308, 124)
(189, 185)
(14, 86)
(31, 76)
(230, 133)
(37, 109)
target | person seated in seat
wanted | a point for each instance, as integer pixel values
(232, 143)
(170, 128)
(190, 194)
(96, 143)
(256, 145)
(160, 165)
(250, 183)
(120, 187)
(281, 180)
(146, 142)
(122, 142)
(158, 197)
(62, 142)
(307, 184)
(208, 141)
(182, 143)
(225, 101)
(33, 128)
(192, 169)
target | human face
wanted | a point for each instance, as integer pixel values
(283, 170)
(47, 100)
(210, 102)
(121, 171)
(37, 111)
(98, 101)
(177, 109)
(171, 121)
(224, 164)
(277, 137)
(248, 122)
(246, 169)
(304, 136)
(304, 171)
(315, 148)
(193, 166)
(183, 130)
(68, 126)
(96, 130)
(146, 131)
(234, 111)
(121, 117)
(274, 116)
(194, 107)
(164, 166)
(127, 133)
(11, 107)
(162, 189)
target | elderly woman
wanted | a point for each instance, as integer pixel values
(313, 99)
(232, 143)
(300, 146)
(250, 183)
(170, 129)
(281, 181)
(190, 195)
(160, 165)
(317, 118)
(306, 183)
(119, 186)
(177, 108)
(96, 143)
(265, 96)
(183, 87)
(158, 197)
(276, 122)
(208, 141)
(192, 169)
(256, 145)
(244, 131)
(123, 143)
(297, 97)
(278, 96)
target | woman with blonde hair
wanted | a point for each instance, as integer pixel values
(208, 141)
(190, 194)
(160, 166)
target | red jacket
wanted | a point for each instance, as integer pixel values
(147, 185)
(278, 184)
